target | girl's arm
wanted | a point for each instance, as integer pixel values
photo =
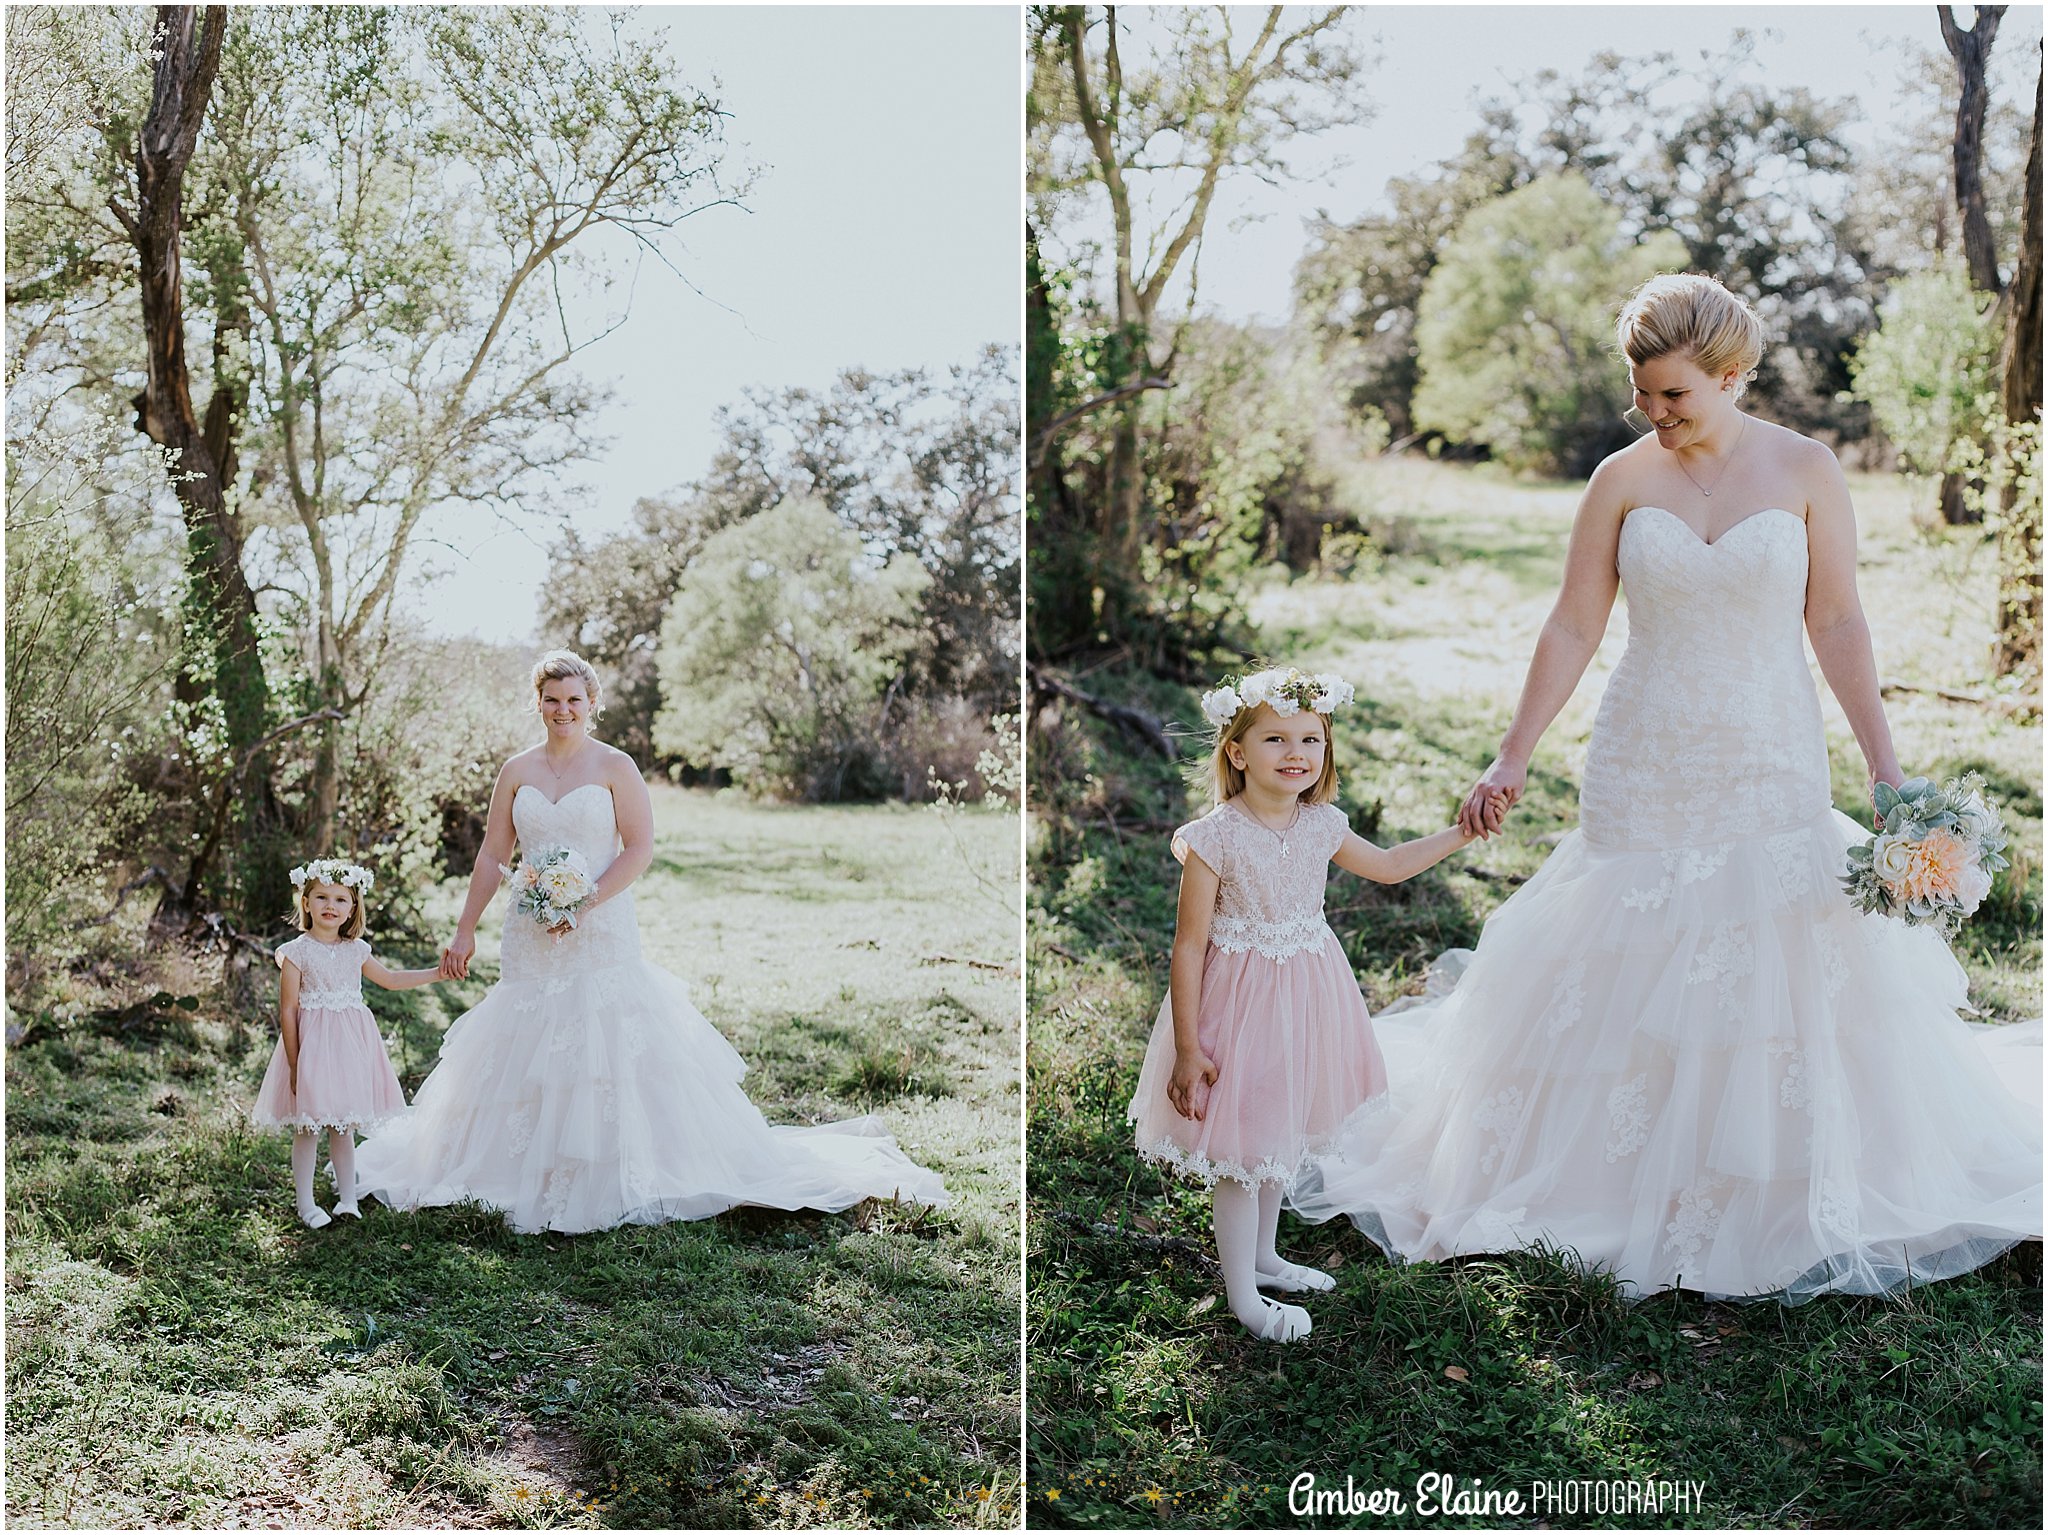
(491, 858)
(400, 980)
(1199, 885)
(1405, 860)
(1572, 633)
(1834, 614)
(288, 1020)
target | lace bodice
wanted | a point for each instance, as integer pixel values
(583, 819)
(330, 974)
(1271, 898)
(1710, 729)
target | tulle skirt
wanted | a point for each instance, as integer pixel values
(1700, 1067)
(1295, 1057)
(345, 1078)
(580, 1101)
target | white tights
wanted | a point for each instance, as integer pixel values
(341, 1152)
(1242, 1228)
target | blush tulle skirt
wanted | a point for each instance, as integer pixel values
(1295, 1056)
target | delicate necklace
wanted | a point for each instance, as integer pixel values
(1282, 832)
(559, 771)
(1705, 490)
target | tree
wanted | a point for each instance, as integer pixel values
(781, 654)
(1750, 174)
(1205, 105)
(1926, 371)
(379, 227)
(1516, 324)
(912, 465)
(2019, 369)
(1972, 52)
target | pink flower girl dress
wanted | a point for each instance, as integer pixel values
(345, 1078)
(1281, 1014)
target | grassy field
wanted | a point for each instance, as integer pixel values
(1149, 1406)
(182, 1352)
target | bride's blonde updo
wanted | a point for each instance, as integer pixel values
(556, 665)
(1693, 315)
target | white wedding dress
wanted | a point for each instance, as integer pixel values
(585, 1091)
(1678, 1050)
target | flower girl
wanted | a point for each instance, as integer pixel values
(1263, 1045)
(329, 1068)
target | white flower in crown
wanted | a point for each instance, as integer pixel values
(333, 871)
(1284, 690)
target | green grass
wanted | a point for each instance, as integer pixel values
(1149, 1406)
(182, 1351)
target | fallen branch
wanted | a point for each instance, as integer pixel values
(1131, 1234)
(1146, 730)
(976, 964)
(2021, 705)
(151, 875)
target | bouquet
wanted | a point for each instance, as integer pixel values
(553, 884)
(1935, 851)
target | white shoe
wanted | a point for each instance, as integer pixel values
(1280, 1323)
(349, 1209)
(1295, 1278)
(314, 1216)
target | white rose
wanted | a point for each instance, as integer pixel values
(1221, 705)
(1258, 688)
(1282, 705)
(1972, 885)
(1892, 858)
(299, 875)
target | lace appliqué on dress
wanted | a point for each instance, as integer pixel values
(1567, 1000)
(1698, 1219)
(1628, 1117)
(1503, 1114)
(1725, 961)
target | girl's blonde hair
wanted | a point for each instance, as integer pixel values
(556, 665)
(1692, 315)
(302, 916)
(1226, 778)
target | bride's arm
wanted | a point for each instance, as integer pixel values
(635, 810)
(1570, 636)
(1834, 614)
(489, 874)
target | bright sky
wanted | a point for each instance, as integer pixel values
(885, 232)
(1437, 62)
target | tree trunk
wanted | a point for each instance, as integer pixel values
(223, 656)
(2019, 528)
(1972, 53)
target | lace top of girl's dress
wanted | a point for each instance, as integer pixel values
(1710, 729)
(584, 820)
(1271, 898)
(330, 974)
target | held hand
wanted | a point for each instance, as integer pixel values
(455, 956)
(1490, 799)
(1888, 774)
(1188, 1069)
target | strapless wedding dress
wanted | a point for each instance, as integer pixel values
(585, 1091)
(1678, 1050)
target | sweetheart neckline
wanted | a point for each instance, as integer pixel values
(552, 802)
(1725, 532)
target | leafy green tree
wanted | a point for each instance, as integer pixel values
(1516, 326)
(370, 217)
(782, 654)
(913, 465)
(1927, 371)
(1208, 92)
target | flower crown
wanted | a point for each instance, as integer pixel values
(1284, 690)
(333, 871)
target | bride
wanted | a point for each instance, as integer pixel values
(1678, 1050)
(585, 1091)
